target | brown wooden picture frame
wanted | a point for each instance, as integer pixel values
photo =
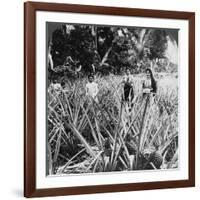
(30, 9)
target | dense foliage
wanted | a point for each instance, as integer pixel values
(105, 49)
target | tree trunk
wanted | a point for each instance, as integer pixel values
(104, 59)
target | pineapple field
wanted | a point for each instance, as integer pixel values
(108, 134)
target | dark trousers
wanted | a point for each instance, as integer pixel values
(128, 92)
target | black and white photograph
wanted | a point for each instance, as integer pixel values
(112, 98)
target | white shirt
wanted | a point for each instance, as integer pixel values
(55, 86)
(147, 86)
(128, 78)
(147, 83)
(92, 89)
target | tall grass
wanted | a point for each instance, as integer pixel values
(86, 137)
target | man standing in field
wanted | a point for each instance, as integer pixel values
(92, 88)
(128, 93)
(55, 87)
